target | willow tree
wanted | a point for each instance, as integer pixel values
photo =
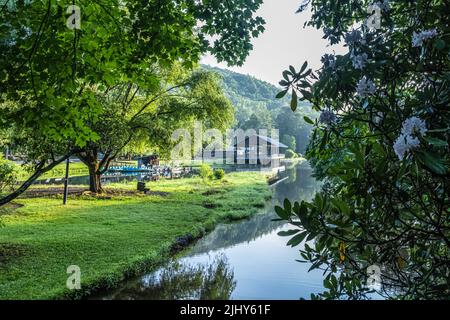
(54, 65)
(381, 142)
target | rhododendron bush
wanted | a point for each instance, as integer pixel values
(381, 225)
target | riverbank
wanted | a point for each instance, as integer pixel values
(113, 238)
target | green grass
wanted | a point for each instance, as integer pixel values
(115, 238)
(75, 169)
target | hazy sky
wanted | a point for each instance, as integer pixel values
(284, 42)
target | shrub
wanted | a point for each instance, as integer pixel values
(290, 154)
(8, 174)
(206, 172)
(219, 174)
(382, 142)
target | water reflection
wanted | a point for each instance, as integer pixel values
(178, 281)
(259, 263)
(299, 183)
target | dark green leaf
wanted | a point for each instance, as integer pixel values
(292, 69)
(308, 120)
(436, 142)
(286, 75)
(281, 94)
(294, 101)
(306, 94)
(303, 68)
(281, 213)
(287, 206)
(295, 241)
(288, 232)
(432, 162)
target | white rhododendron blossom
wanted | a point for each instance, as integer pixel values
(405, 144)
(419, 38)
(365, 87)
(414, 126)
(359, 61)
(408, 139)
(353, 37)
(327, 117)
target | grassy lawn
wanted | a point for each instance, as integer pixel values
(75, 169)
(113, 238)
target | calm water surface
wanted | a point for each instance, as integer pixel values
(244, 260)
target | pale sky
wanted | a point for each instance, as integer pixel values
(284, 42)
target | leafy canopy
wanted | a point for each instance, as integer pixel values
(53, 73)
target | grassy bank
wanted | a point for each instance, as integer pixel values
(112, 238)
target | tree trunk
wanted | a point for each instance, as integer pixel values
(90, 158)
(95, 182)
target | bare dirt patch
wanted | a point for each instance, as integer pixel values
(77, 191)
(51, 191)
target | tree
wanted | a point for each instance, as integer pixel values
(52, 76)
(42, 153)
(382, 142)
(131, 114)
(289, 141)
(295, 126)
(259, 120)
(290, 154)
(8, 174)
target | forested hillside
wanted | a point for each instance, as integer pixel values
(257, 108)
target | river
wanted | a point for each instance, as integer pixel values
(243, 260)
